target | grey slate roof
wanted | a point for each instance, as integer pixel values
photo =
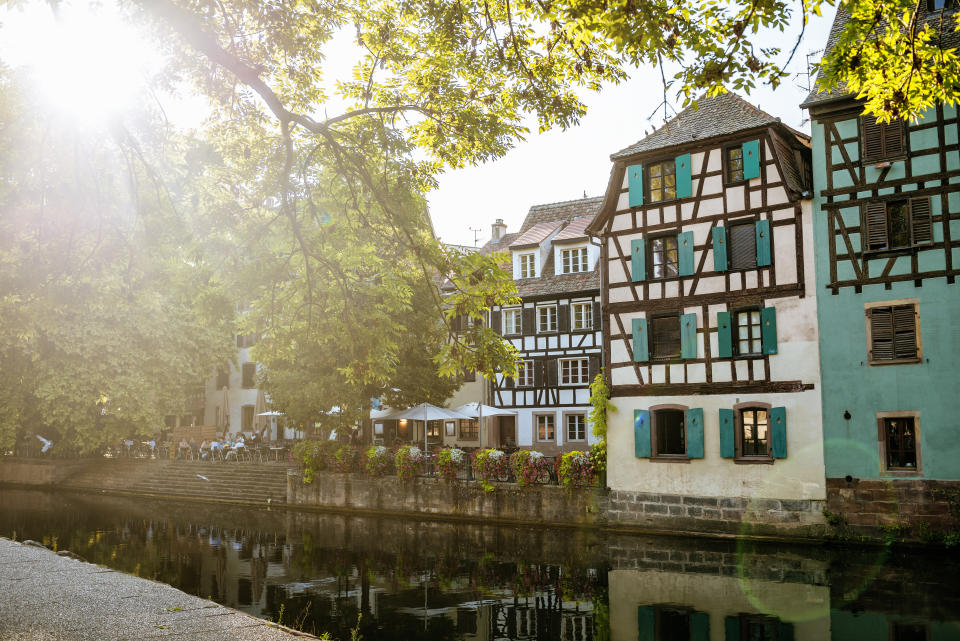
(724, 114)
(949, 37)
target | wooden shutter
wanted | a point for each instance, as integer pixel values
(719, 249)
(685, 253)
(538, 372)
(724, 335)
(553, 374)
(694, 425)
(563, 317)
(743, 246)
(881, 334)
(763, 242)
(872, 139)
(641, 433)
(768, 329)
(905, 331)
(921, 223)
(635, 182)
(893, 139)
(641, 346)
(594, 367)
(496, 321)
(646, 623)
(688, 336)
(751, 159)
(528, 321)
(638, 260)
(875, 217)
(699, 626)
(778, 432)
(508, 382)
(596, 316)
(683, 176)
(728, 448)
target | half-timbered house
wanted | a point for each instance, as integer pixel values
(709, 322)
(556, 329)
(887, 224)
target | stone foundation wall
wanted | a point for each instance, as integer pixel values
(911, 509)
(26, 471)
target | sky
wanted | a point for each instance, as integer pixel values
(550, 167)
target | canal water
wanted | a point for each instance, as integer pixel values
(404, 579)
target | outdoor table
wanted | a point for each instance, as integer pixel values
(276, 452)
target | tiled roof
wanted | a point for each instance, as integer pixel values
(949, 38)
(536, 234)
(564, 211)
(576, 230)
(723, 114)
(550, 283)
(503, 244)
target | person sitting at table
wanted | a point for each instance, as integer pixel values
(205, 450)
(215, 447)
(183, 450)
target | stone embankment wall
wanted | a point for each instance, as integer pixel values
(14, 471)
(904, 508)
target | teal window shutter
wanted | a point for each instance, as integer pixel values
(635, 183)
(685, 253)
(751, 159)
(724, 335)
(763, 243)
(731, 627)
(688, 336)
(699, 626)
(694, 425)
(768, 329)
(641, 433)
(728, 447)
(719, 249)
(778, 432)
(684, 177)
(641, 350)
(784, 631)
(638, 260)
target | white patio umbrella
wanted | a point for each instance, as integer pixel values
(427, 412)
(479, 410)
(272, 414)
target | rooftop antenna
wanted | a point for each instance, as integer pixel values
(807, 84)
(476, 234)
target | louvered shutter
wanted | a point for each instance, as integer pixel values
(641, 433)
(563, 317)
(683, 176)
(528, 321)
(635, 183)
(881, 334)
(641, 350)
(905, 331)
(921, 223)
(685, 253)
(751, 159)
(596, 316)
(876, 221)
(743, 246)
(694, 426)
(594, 367)
(719, 249)
(538, 372)
(727, 439)
(496, 322)
(763, 242)
(688, 336)
(778, 432)
(724, 335)
(892, 139)
(638, 260)
(699, 626)
(872, 139)
(508, 382)
(552, 366)
(768, 329)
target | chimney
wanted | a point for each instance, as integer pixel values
(498, 230)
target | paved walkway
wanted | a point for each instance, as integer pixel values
(46, 597)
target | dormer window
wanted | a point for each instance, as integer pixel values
(528, 265)
(573, 260)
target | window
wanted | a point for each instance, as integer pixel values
(897, 224)
(663, 257)
(754, 433)
(900, 443)
(748, 333)
(512, 321)
(582, 316)
(223, 378)
(576, 427)
(892, 334)
(246, 418)
(249, 375)
(573, 260)
(433, 429)
(743, 245)
(662, 181)
(908, 632)
(470, 430)
(545, 427)
(528, 265)
(669, 433)
(760, 628)
(547, 318)
(672, 623)
(665, 335)
(525, 373)
(734, 160)
(574, 371)
(881, 140)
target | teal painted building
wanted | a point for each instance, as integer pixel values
(886, 215)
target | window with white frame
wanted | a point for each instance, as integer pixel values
(545, 427)
(528, 265)
(576, 427)
(573, 260)
(574, 371)
(582, 316)
(547, 318)
(512, 321)
(525, 373)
